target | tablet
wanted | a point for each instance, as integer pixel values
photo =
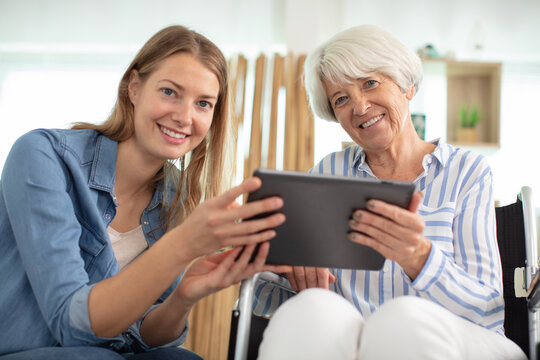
(318, 209)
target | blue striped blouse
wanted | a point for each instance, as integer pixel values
(463, 271)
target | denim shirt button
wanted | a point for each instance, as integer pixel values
(145, 222)
(107, 216)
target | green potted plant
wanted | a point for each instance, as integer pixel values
(469, 117)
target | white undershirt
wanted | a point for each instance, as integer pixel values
(127, 246)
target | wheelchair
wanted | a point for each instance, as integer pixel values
(517, 241)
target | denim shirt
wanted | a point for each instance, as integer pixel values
(56, 201)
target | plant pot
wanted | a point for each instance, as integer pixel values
(467, 135)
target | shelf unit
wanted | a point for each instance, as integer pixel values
(469, 83)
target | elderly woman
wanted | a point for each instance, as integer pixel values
(439, 294)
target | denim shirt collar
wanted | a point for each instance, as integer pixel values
(104, 165)
(102, 174)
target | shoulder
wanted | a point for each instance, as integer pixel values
(58, 139)
(42, 148)
(37, 144)
(468, 160)
(468, 171)
(338, 162)
(459, 159)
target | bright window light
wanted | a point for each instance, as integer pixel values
(37, 98)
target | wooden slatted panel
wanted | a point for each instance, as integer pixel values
(210, 318)
(209, 324)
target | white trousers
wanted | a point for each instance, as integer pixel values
(319, 324)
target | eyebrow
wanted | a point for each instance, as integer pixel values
(204, 96)
(334, 94)
(356, 79)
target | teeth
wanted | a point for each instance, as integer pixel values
(371, 122)
(172, 133)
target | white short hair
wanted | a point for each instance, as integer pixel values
(355, 53)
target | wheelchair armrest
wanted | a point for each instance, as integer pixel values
(277, 280)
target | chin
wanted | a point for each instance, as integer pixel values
(174, 157)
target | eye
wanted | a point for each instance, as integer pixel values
(340, 101)
(370, 84)
(167, 91)
(205, 104)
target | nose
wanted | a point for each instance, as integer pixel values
(183, 114)
(360, 105)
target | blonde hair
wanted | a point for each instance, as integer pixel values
(355, 53)
(203, 177)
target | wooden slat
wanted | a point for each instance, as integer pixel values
(237, 71)
(305, 121)
(277, 83)
(210, 318)
(238, 90)
(253, 160)
(289, 151)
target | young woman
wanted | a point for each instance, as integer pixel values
(81, 211)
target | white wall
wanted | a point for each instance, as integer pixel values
(132, 22)
(509, 29)
(508, 32)
(55, 53)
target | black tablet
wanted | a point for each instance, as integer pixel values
(318, 209)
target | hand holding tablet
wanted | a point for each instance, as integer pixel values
(318, 209)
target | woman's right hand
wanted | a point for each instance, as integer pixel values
(303, 277)
(214, 224)
(218, 271)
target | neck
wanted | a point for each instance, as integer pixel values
(134, 173)
(402, 160)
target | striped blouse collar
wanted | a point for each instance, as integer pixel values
(442, 153)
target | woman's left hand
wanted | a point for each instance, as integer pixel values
(394, 232)
(217, 271)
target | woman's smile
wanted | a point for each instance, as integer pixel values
(172, 136)
(371, 122)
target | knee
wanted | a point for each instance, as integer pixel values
(404, 316)
(315, 319)
(314, 300)
(411, 323)
(403, 311)
(314, 307)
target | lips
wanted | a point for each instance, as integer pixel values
(172, 133)
(371, 122)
